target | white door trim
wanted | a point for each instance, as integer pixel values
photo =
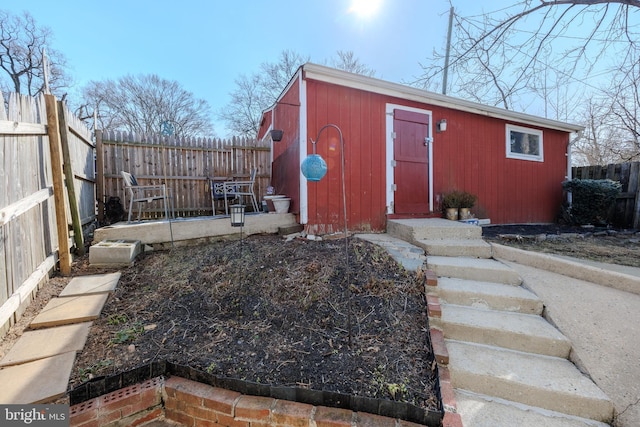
(390, 184)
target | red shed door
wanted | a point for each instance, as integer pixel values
(411, 155)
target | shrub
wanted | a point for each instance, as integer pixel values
(458, 199)
(451, 200)
(467, 200)
(592, 200)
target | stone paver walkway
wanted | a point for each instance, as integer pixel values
(38, 366)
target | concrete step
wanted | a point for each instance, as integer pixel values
(487, 295)
(410, 256)
(515, 331)
(432, 228)
(478, 410)
(108, 253)
(547, 382)
(474, 248)
(473, 269)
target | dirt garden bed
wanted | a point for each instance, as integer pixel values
(272, 312)
(615, 246)
(276, 312)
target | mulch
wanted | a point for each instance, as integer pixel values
(339, 316)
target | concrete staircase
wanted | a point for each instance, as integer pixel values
(507, 364)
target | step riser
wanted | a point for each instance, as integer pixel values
(473, 273)
(492, 302)
(501, 412)
(546, 382)
(451, 230)
(566, 403)
(486, 295)
(470, 250)
(501, 338)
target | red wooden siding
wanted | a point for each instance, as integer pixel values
(285, 175)
(360, 116)
(470, 155)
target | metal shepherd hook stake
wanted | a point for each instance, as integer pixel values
(314, 168)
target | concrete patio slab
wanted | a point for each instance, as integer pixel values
(43, 343)
(93, 284)
(36, 382)
(67, 310)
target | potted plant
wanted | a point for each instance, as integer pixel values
(450, 205)
(466, 202)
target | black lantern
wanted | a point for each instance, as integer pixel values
(237, 215)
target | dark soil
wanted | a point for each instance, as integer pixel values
(273, 312)
(608, 245)
(277, 312)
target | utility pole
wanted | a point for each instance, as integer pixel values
(446, 57)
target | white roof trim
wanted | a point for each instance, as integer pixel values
(357, 81)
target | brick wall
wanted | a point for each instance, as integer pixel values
(199, 405)
(137, 404)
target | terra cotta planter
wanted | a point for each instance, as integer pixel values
(452, 214)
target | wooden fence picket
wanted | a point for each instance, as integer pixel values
(627, 211)
(185, 164)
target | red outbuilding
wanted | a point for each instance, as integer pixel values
(406, 147)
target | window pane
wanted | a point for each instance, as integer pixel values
(525, 143)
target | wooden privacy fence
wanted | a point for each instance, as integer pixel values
(627, 211)
(42, 146)
(186, 165)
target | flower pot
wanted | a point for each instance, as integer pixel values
(269, 200)
(282, 204)
(464, 213)
(452, 214)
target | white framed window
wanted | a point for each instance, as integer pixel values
(524, 143)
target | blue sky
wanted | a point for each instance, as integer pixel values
(206, 44)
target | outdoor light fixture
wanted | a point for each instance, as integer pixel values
(237, 215)
(441, 126)
(314, 168)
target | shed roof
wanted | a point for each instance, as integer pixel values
(370, 84)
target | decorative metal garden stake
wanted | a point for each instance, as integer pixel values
(314, 168)
(237, 219)
(167, 129)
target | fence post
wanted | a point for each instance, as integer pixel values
(636, 210)
(76, 222)
(58, 184)
(100, 176)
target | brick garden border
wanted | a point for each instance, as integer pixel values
(101, 391)
(192, 403)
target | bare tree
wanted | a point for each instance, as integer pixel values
(140, 104)
(593, 146)
(274, 76)
(254, 94)
(22, 43)
(244, 112)
(607, 137)
(625, 97)
(347, 61)
(497, 59)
